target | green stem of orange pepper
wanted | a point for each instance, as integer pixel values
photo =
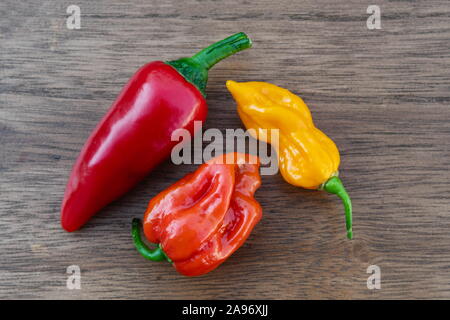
(150, 254)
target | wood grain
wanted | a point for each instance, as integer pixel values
(382, 95)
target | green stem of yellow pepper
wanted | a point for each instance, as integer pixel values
(334, 185)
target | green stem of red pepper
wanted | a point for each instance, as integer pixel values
(220, 50)
(195, 69)
(150, 254)
(334, 185)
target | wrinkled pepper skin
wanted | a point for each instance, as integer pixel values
(135, 135)
(202, 219)
(307, 158)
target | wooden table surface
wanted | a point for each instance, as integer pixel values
(382, 95)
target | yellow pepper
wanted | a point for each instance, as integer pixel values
(307, 157)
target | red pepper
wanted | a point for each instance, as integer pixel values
(135, 134)
(202, 219)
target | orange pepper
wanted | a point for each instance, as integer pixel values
(202, 219)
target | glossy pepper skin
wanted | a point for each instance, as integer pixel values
(135, 135)
(202, 219)
(307, 157)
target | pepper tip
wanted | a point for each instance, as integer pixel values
(231, 85)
